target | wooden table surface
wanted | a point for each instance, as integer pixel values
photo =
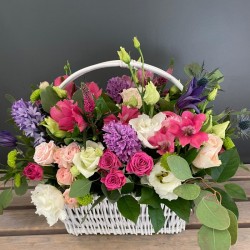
(21, 228)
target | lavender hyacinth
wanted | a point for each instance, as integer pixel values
(122, 140)
(116, 85)
(27, 117)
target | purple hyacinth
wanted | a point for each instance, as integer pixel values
(28, 117)
(122, 140)
(116, 85)
(192, 97)
(7, 139)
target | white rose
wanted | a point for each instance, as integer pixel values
(164, 182)
(146, 127)
(87, 160)
(49, 202)
(208, 154)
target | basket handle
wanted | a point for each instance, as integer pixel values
(118, 63)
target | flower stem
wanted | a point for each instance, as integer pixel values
(151, 111)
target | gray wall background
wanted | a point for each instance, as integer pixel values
(37, 37)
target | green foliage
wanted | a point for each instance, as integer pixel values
(212, 239)
(78, 97)
(230, 162)
(6, 198)
(105, 105)
(128, 188)
(179, 167)
(233, 228)
(22, 189)
(49, 98)
(212, 214)
(149, 197)
(157, 217)
(188, 191)
(80, 188)
(235, 191)
(113, 195)
(193, 69)
(191, 155)
(129, 207)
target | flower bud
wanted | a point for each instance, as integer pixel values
(35, 95)
(17, 180)
(212, 95)
(74, 171)
(220, 129)
(136, 43)
(11, 158)
(60, 92)
(43, 85)
(151, 95)
(123, 55)
(228, 143)
(53, 128)
(173, 90)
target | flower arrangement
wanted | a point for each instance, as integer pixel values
(139, 142)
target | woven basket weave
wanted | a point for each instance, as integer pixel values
(105, 218)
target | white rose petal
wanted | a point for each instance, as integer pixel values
(164, 182)
(49, 202)
(146, 127)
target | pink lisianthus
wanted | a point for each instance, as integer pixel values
(140, 164)
(109, 160)
(94, 89)
(64, 176)
(70, 88)
(188, 130)
(115, 179)
(33, 172)
(71, 202)
(127, 114)
(109, 119)
(68, 115)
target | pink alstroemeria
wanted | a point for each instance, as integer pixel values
(127, 114)
(109, 119)
(94, 89)
(188, 130)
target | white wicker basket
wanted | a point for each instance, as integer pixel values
(105, 218)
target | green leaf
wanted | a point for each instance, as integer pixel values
(235, 191)
(129, 207)
(80, 188)
(6, 198)
(216, 76)
(78, 97)
(164, 162)
(188, 191)
(165, 105)
(212, 214)
(157, 217)
(180, 206)
(113, 195)
(227, 201)
(22, 189)
(193, 69)
(149, 197)
(179, 167)
(128, 188)
(191, 155)
(212, 239)
(49, 98)
(230, 163)
(106, 105)
(233, 228)
(205, 194)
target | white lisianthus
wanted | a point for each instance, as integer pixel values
(164, 182)
(49, 202)
(87, 160)
(146, 127)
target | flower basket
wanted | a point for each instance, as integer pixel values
(133, 159)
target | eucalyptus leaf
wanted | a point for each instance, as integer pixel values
(6, 198)
(235, 191)
(188, 191)
(233, 228)
(49, 98)
(157, 218)
(80, 188)
(78, 97)
(129, 207)
(179, 167)
(193, 69)
(212, 214)
(22, 189)
(212, 239)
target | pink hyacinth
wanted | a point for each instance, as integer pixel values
(188, 130)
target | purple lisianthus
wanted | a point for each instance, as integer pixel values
(192, 97)
(122, 140)
(28, 117)
(116, 85)
(7, 139)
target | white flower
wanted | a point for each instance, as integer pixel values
(146, 127)
(49, 202)
(87, 160)
(43, 85)
(164, 182)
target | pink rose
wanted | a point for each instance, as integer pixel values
(71, 202)
(140, 164)
(94, 89)
(64, 177)
(109, 160)
(64, 156)
(115, 179)
(68, 115)
(44, 153)
(208, 154)
(33, 172)
(70, 88)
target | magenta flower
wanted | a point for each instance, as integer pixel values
(115, 179)
(188, 130)
(33, 172)
(109, 160)
(127, 114)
